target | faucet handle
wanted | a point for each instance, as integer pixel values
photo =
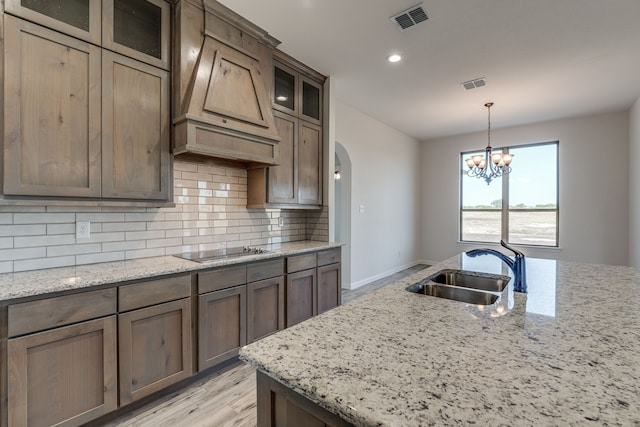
(517, 253)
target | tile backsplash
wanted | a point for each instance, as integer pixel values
(210, 213)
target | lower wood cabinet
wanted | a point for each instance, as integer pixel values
(301, 296)
(279, 406)
(222, 325)
(329, 288)
(246, 303)
(64, 376)
(155, 348)
(265, 308)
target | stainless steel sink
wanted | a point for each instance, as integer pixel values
(453, 293)
(470, 279)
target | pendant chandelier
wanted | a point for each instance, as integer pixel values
(491, 165)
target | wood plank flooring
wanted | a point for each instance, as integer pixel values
(226, 399)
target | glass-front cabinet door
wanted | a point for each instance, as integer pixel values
(138, 29)
(285, 85)
(311, 94)
(77, 18)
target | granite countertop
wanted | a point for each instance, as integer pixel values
(16, 286)
(565, 353)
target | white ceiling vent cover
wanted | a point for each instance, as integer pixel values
(475, 83)
(410, 17)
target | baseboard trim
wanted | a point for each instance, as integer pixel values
(363, 282)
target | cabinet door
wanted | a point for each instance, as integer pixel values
(283, 182)
(265, 308)
(139, 29)
(51, 113)
(63, 376)
(155, 348)
(77, 18)
(135, 120)
(301, 296)
(310, 164)
(329, 289)
(310, 101)
(285, 85)
(222, 325)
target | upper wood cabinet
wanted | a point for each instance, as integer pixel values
(138, 29)
(73, 109)
(296, 181)
(297, 94)
(77, 18)
(136, 159)
(52, 121)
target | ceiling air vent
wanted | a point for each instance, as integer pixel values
(472, 84)
(410, 17)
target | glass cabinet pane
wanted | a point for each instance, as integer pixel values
(137, 24)
(284, 89)
(310, 101)
(72, 12)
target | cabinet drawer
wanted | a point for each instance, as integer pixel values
(49, 313)
(265, 270)
(153, 292)
(222, 278)
(301, 262)
(330, 256)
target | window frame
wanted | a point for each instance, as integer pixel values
(505, 210)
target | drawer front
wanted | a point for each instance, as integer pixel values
(49, 313)
(153, 292)
(301, 262)
(265, 270)
(222, 278)
(330, 256)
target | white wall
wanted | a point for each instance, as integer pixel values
(634, 186)
(593, 183)
(385, 181)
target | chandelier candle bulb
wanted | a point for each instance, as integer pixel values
(493, 165)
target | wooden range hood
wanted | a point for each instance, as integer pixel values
(223, 94)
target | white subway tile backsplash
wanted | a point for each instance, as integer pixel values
(54, 251)
(6, 242)
(48, 240)
(40, 263)
(23, 230)
(210, 213)
(43, 218)
(23, 253)
(144, 235)
(123, 226)
(99, 257)
(123, 246)
(101, 217)
(63, 228)
(144, 253)
(6, 267)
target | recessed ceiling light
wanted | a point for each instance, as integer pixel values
(394, 58)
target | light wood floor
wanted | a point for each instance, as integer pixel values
(227, 399)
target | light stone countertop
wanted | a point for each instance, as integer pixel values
(566, 353)
(16, 286)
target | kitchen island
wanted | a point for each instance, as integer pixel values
(565, 353)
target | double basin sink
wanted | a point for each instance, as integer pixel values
(461, 285)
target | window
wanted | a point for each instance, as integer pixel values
(519, 208)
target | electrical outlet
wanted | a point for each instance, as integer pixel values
(281, 221)
(83, 229)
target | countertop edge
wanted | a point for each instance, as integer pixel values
(16, 287)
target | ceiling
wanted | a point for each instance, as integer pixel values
(542, 59)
